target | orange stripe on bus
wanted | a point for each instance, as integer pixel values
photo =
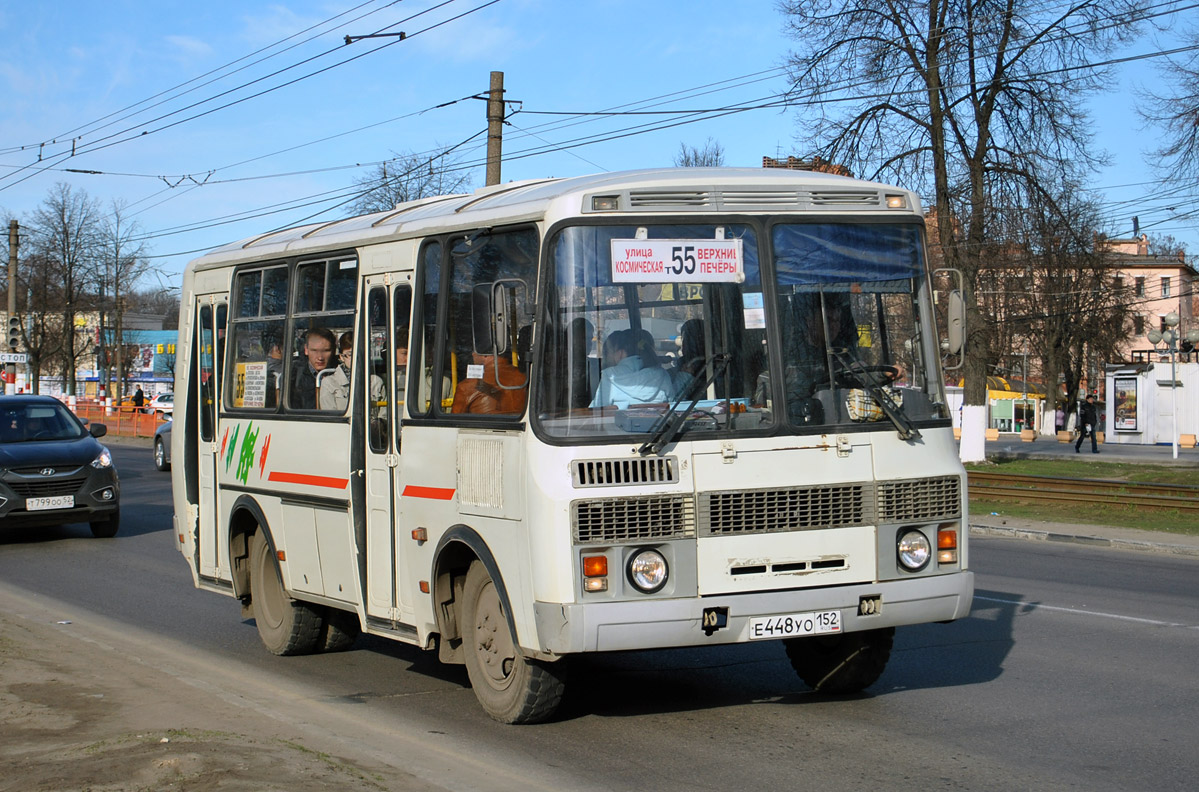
(432, 493)
(304, 478)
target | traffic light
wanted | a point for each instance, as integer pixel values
(14, 332)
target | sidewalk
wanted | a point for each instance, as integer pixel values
(1011, 447)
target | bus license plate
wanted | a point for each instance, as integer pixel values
(795, 624)
(42, 504)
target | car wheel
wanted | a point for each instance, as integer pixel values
(844, 663)
(160, 455)
(106, 529)
(286, 626)
(511, 688)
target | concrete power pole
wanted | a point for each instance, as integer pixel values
(495, 127)
(12, 302)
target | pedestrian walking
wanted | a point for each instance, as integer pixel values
(1088, 422)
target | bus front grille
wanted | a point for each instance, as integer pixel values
(619, 520)
(610, 472)
(792, 509)
(919, 500)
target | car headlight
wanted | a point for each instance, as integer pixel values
(647, 571)
(102, 461)
(914, 550)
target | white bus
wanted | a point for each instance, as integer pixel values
(637, 410)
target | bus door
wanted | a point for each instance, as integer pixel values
(210, 339)
(381, 381)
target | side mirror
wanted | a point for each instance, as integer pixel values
(956, 325)
(955, 319)
(97, 429)
(498, 311)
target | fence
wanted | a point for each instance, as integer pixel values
(124, 421)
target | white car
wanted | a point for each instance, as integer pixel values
(163, 404)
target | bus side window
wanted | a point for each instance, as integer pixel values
(491, 305)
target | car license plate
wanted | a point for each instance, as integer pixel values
(57, 502)
(795, 624)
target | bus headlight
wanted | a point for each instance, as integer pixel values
(647, 571)
(914, 550)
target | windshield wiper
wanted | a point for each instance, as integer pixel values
(907, 431)
(665, 428)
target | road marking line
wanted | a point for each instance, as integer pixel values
(1060, 609)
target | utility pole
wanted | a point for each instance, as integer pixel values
(495, 127)
(14, 321)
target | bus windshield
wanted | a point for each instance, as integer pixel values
(644, 323)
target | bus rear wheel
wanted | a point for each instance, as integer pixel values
(286, 626)
(844, 663)
(510, 687)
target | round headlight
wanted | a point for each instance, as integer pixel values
(647, 571)
(914, 550)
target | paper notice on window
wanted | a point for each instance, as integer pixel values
(677, 261)
(754, 310)
(253, 377)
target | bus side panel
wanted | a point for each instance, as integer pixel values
(442, 490)
(298, 472)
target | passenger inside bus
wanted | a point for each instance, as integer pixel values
(484, 394)
(274, 365)
(335, 387)
(319, 344)
(691, 355)
(631, 374)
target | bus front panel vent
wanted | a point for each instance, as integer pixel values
(624, 520)
(736, 512)
(624, 472)
(920, 500)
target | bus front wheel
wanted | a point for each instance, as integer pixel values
(510, 687)
(844, 663)
(286, 626)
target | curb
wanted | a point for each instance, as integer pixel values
(1094, 541)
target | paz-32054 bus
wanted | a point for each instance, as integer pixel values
(635, 410)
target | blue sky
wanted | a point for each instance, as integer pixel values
(73, 70)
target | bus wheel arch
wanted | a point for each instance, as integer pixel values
(286, 626)
(245, 519)
(459, 548)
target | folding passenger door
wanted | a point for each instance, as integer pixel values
(211, 312)
(379, 365)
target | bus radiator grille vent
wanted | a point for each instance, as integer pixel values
(617, 472)
(797, 509)
(759, 199)
(620, 520)
(919, 500)
(675, 199)
(846, 198)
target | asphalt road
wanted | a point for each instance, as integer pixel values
(1075, 671)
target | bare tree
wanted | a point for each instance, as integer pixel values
(122, 264)
(962, 100)
(710, 156)
(65, 232)
(409, 177)
(1176, 110)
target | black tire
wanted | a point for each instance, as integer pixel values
(286, 626)
(339, 630)
(510, 687)
(106, 529)
(160, 455)
(845, 663)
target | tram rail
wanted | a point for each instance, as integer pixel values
(1067, 491)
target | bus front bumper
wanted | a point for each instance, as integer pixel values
(660, 624)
